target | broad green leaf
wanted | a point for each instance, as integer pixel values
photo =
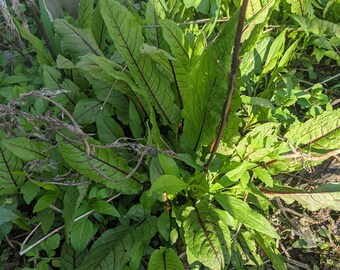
(176, 40)
(320, 133)
(165, 259)
(202, 107)
(106, 208)
(117, 246)
(127, 36)
(168, 65)
(115, 76)
(51, 243)
(251, 62)
(64, 63)
(168, 183)
(102, 167)
(301, 7)
(72, 200)
(258, 15)
(43, 55)
(86, 111)
(241, 211)
(10, 166)
(163, 225)
(263, 175)
(6, 215)
(46, 219)
(287, 55)
(29, 191)
(44, 201)
(27, 149)
(52, 81)
(275, 52)
(206, 236)
(323, 27)
(85, 12)
(325, 196)
(108, 129)
(153, 13)
(76, 41)
(69, 258)
(135, 122)
(98, 28)
(257, 101)
(169, 165)
(268, 246)
(81, 234)
(235, 170)
(47, 21)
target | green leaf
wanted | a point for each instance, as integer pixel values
(104, 207)
(72, 200)
(27, 149)
(169, 165)
(117, 246)
(52, 242)
(135, 121)
(275, 52)
(108, 129)
(153, 13)
(241, 211)
(271, 251)
(43, 55)
(81, 234)
(257, 101)
(168, 183)
(263, 175)
(321, 132)
(256, 20)
(47, 21)
(98, 28)
(202, 106)
(6, 215)
(325, 196)
(165, 259)
(10, 165)
(46, 219)
(69, 258)
(64, 63)
(127, 36)
(176, 40)
(206, 236)
(235, 170)
(163, 225)
(85, 12)
(76, 41)
(44, 201)
(86, 111)
(103, 167)
(29, 191)
(301, 7)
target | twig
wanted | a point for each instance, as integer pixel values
(231, 87)
(323, 82)
(58, 229)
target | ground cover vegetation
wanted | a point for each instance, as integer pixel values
(152, 134)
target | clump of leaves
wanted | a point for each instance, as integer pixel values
(148, 146)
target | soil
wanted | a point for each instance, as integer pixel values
(310, 240)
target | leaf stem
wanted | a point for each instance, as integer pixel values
(232, 78)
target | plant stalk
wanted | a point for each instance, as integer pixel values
(231, 86)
